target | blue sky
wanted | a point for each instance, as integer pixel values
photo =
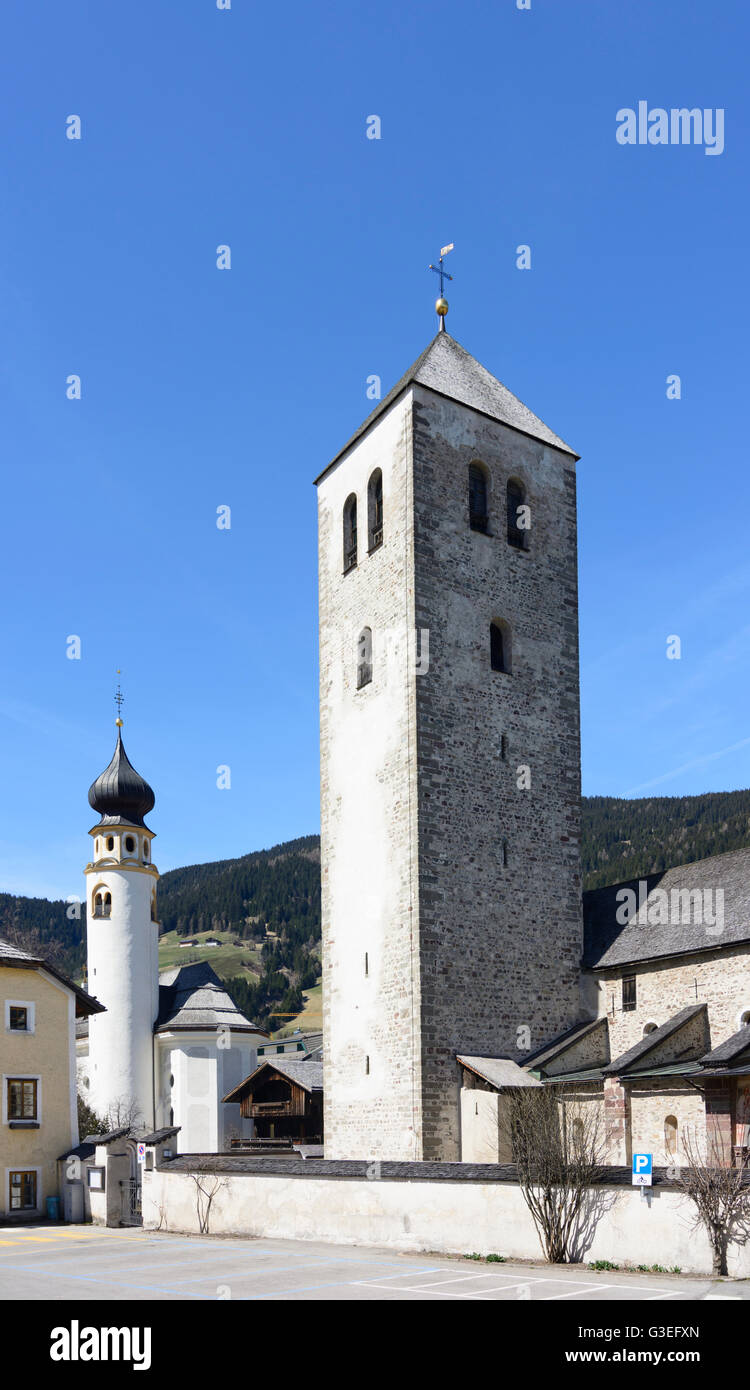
(202, 387)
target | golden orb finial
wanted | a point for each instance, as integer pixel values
(441, 307)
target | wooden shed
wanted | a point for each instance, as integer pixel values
(284, 1098)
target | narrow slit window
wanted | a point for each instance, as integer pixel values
(350, 533)
(628, 993)
(364, 658)
(517, 514)
(500, 647)
(478, 510)
(375, 510)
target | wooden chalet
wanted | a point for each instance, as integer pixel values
(284, 1098)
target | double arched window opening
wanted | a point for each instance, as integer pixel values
(102, 903)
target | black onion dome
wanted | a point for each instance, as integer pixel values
(119, 793)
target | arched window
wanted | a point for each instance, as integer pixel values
(364, 657)
(129, 844)
(517, 515)
(500, 646)
(145, 849)
(478, 511)
(350, 533)
(670, 1134)
(375, 510)
(744, 1018)
(102, 902)
(110, 843)
(649, 1027)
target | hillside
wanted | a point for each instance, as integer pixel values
(264, 908)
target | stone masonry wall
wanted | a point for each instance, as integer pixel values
(499, 945)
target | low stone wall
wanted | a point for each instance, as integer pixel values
(441, 1207)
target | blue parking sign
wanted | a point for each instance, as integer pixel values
(643, 1167)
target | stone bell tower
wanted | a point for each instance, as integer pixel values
(450, 758)
(122, 943)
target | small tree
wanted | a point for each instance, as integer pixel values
(558, 1148)
(716, 1181)
(207, 1184)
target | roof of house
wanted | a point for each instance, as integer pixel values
(640, 1051)
(159, 1135)
(448, 369)
(644, 936)
(193, 998)
(498, 1071)
(13, 956)
(300, 1070)
(561, 1044)
(86, 1149)
(727, 1051)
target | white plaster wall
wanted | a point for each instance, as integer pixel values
(442, 1216)
(122, 975)
(368, 814)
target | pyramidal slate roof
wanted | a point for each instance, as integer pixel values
(646, 937)
(193, 997)
(448, 369)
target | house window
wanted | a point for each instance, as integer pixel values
(129, 844)
(516, 512)
(478, 512)
(19, 1019)
(23, 1190)
(367, 1066)
(22, 1099)
(628, 993)
(110, 842)
(350, 533)
(364, 657)
(375, 510)
(500, 646)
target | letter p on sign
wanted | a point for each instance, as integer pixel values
(643, 1165)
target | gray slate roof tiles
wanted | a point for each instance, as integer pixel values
(193, 997)
(449, 369)
(641, 1049)
(644, 937)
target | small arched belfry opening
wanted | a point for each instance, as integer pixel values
(517, 514)
(479, 514)
(501, 646)
(101, 902)
(364, 657)
(375, 510)
(350, 532)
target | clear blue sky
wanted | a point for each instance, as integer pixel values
(200, 387)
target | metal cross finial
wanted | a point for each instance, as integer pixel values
(442, 303)
(119, 701)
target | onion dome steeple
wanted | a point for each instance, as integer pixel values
(120, 794)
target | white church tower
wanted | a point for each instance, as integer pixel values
(122, 944)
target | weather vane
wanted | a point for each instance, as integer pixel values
(441, 304)
(119, 701)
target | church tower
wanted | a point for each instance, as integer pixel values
(450, 757)
(122, 936)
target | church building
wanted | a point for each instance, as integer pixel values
(450, 760)
(173, 1044)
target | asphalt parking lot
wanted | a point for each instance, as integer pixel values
(87, 1262)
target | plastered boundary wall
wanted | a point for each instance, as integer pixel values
(469, 1211)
